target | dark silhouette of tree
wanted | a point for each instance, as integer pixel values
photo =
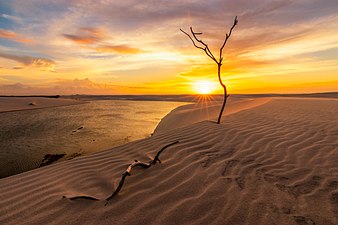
(198, 43)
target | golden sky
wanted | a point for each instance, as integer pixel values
(136, 47)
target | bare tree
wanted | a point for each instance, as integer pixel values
(198, 43)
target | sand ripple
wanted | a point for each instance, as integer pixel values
(272, 164)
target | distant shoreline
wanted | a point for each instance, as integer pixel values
(192, 97)
(169, 97)
(30, 96)
(15, 103)
(30, 102)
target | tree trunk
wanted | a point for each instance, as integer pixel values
(198, 43)
(225, 93)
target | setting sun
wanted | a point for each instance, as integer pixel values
(204, 87)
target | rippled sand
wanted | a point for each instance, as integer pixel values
(273, 163)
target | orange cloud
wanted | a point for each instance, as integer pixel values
(23, 40)
(80, 39)
(96, 38)
(42, 63)
(7, 34)
(86, 35)
(94, 31)
(13, 36)
(68, 87)
(123, 49)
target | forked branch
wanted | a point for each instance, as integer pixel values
(195, 40)
(205, 47)
(141, 164)
(126, 173)
(227, 36)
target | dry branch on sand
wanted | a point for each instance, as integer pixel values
(136, 163)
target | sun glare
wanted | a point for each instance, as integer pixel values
(204, 87)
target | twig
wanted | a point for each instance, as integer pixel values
(141, 164)
(83, 197)
(227, 36)
(205, 48)
(157, 159)
(128, 173)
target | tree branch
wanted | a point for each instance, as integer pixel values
(128, 173)
(138, 163)
(191, 40)
(227, 36)
(205, 48)
(157, 159)
(125, 174)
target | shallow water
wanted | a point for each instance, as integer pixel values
(26, 136)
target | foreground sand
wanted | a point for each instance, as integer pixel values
(275, 163)
(9, 104)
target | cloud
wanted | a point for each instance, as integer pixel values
(123, 49)
(80, 39)
(14, 87)
(10, 17)
(42, 63)
(95, 38)
(98, 32)
(86, 35)
(68, 87)
(87, 86)
(7, 34)
(23, 40)
(267, 8)
(17, 68)
(13, 36)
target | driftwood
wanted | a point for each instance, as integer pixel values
(141, 164)
(82, 197)
(126, 173)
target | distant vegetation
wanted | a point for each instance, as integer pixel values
(30, 96)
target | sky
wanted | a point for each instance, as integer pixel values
(136, 47)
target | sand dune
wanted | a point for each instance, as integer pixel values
(204, 110)
(275, 163)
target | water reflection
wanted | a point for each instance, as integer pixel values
(26, 136)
